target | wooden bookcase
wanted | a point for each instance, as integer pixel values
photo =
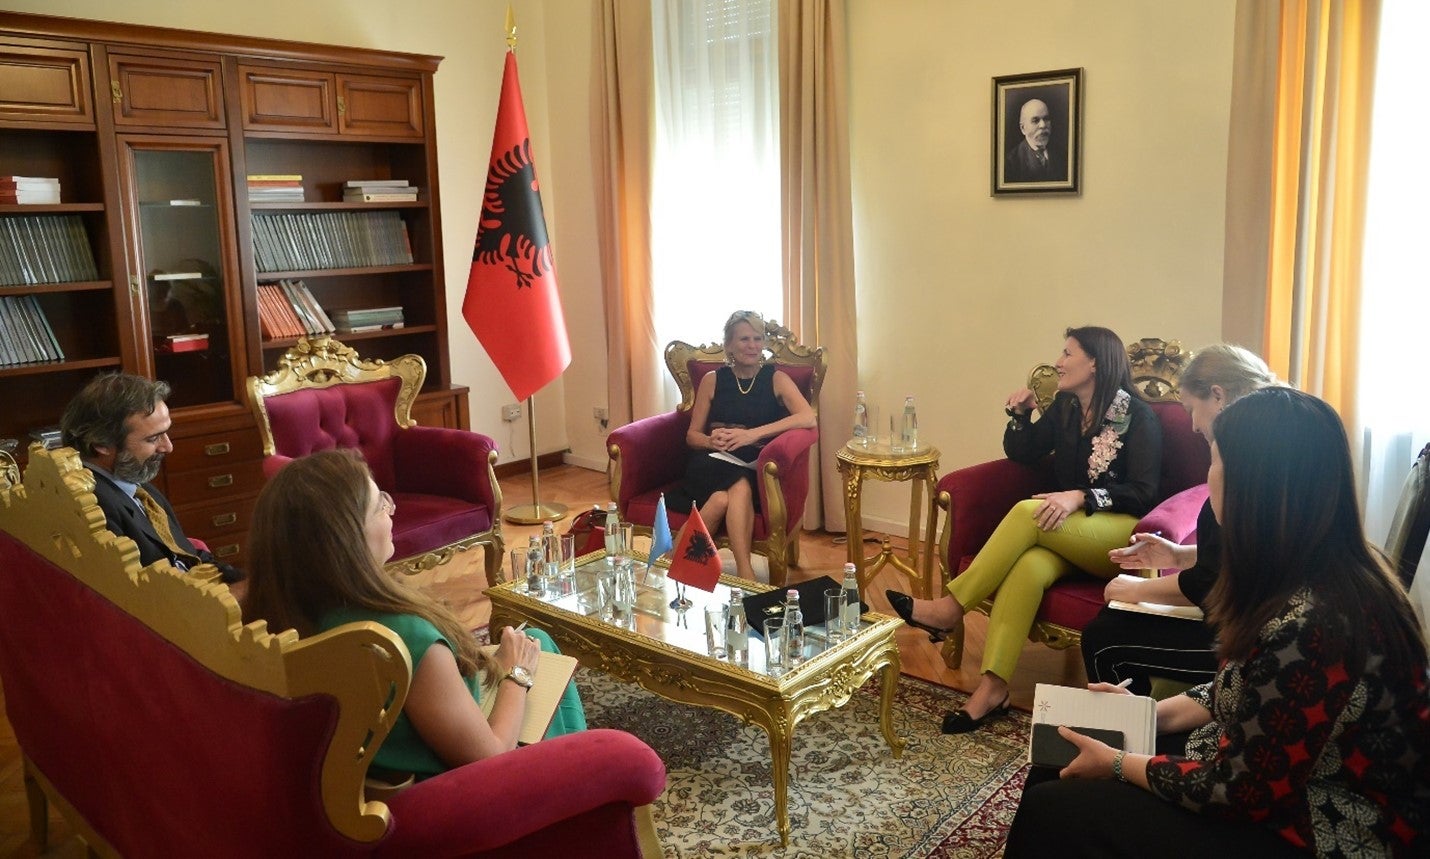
(152, 133)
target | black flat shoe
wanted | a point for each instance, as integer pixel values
(903, 606)
(959, 722)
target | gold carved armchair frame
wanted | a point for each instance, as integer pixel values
(323, 362)
(781, 543)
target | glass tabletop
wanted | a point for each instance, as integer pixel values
(654, 611)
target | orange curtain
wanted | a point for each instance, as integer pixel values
(623, 142)
(1325, 68)
(817, 212)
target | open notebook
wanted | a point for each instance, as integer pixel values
(1122, 721)
(553, 672)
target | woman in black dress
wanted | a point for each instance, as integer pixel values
(738, 408)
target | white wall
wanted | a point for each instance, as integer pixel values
(959, 293)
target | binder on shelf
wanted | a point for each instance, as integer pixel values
(37, 249)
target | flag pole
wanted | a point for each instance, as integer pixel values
(535, 512)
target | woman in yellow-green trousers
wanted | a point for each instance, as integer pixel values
(1106, 446)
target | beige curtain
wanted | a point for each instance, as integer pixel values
(1318, 102)
(819, 225)
(622, 146)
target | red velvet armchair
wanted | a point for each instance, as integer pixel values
(159, 725)
(975, 499)
(322, 396)
(648, 456)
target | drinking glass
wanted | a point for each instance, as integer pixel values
(625, 539)
(606, 593)
(715, 630)
(834, 614)
(566, 577)
(776, 648)
(518, 567)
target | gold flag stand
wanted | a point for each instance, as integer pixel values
(534, 513)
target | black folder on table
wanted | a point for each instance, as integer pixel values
(771, 603)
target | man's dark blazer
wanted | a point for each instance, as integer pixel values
(123, 518)
(1021, 165)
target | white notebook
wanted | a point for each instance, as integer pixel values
(1134, 715)
(553, 672)
(1186, 612)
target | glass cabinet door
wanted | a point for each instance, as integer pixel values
(183, 272)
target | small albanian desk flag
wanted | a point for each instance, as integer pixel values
(695, 561)
(511, 303)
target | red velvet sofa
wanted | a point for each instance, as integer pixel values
(160, 726)
(975, 499)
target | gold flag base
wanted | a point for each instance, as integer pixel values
(535, 514)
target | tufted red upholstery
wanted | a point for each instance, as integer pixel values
(980, 495)
(435, 475)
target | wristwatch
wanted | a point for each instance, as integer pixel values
(521, 677)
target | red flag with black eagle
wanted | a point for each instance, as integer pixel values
(511, 303)
(694, 561)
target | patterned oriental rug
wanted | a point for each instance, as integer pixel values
(947, 796)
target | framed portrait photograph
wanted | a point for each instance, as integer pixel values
(1037, 133)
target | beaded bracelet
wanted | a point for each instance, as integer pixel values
(1117, 765)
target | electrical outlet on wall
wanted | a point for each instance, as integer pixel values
(511, 412)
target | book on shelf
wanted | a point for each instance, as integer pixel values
(177, 275)
(304, 241)
(380, 196)
(25, 334)
(280, 320)
(274, 177)
(553, 673)
(349, 328)
(12, 182)
(31, 197)
(175, 343)
(1129, 721)
(187, 201)
(36, 249)
(377, 183)
(49, 436)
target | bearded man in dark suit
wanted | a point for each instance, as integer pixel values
(119, 423)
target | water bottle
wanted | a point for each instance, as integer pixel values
(851, 599)
(861, 420)
(794, 626)
(535, 569)
(909, 431)
(737, 631)
(613, 534)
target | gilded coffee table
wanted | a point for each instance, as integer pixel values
(664, 651)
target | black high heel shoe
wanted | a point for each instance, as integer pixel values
(959, 722)
(903, 606)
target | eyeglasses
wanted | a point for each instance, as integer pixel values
(386, 504)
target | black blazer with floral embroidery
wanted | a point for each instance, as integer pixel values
(1131, 481)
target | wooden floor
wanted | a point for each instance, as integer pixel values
(578, 488)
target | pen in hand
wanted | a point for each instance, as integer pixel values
(1125, 683)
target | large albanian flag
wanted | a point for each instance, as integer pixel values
(511, 303)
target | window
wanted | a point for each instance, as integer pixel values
(715, 231)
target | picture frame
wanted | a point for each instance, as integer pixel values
(1037, 133)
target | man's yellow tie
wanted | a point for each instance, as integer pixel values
(160, 520)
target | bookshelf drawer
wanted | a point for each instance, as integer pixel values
(214, 450)
(380, 106)
(230, 548)
(165, 92)
(287, 100)
(44, 85)
(214, 484)
(212, 521)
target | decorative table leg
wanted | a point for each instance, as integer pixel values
(781, 742)
(889, 686)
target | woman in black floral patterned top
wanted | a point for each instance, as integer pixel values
(1315, 735)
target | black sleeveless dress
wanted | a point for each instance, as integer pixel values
(730, 407)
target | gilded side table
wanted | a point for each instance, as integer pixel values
(878, 461)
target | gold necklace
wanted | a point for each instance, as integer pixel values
(741, 388)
